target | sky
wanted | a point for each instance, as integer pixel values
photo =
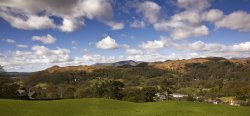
(35, 35)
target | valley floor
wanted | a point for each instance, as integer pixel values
(104, 107)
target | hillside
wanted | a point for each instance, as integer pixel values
(180, 65)
(201, 79)
(120, 63)
(57, 69)
(104, 107)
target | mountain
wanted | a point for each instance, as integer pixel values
(120, 63)
(58, 69)
(178, 65)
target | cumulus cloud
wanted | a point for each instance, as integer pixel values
(38, 56)
(42, 57)
(194, 5)
(200, 46)
(30, 15)
(10, 41)
(213, 15)
(115, 25)
(197, 46)
(70, 24)
(27, 22)
(137, 24)
(241, 47)
(22, 46)
(133, 51)
(48, 39)
(190, 21)
(183, 25)
(93, 58)
(155, 44)
(150, 10)
(238, 20)
(107, 43)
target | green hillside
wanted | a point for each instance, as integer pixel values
(104, 107)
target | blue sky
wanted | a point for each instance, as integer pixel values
(35, 35)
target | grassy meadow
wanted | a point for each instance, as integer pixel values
(104, 107)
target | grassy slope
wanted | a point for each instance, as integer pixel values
(102, 107)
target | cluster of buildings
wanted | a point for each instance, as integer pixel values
(178, 96)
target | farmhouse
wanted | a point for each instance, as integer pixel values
(178, 96)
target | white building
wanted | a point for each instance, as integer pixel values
(177, 95)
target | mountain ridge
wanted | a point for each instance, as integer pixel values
(166, 65)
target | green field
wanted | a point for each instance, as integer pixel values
(104, 107)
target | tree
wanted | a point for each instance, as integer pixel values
(148, 93)
(114, 89)
(8, 88)
(2, 72)
(111, 89)
(245, 91)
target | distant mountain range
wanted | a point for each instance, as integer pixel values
(178, 65)
(120, 63)
(18, 74)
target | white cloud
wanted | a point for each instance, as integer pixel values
(32, 14)
(48, 39)
(115, 25)
(238, 20)
(186, 31)
(10, 41)
(241, 47)
(41, 57)
(213, 15)
(194, 5)
(124, 46)
(38, 56)
(156, 44)
(183, 25)
(107, 43)
(137, 24)
(70, 24)
(133, 51)
(93, 58)
(28, 23)
(50, 56)
(201, 46)
(22, 46)
(150, 10)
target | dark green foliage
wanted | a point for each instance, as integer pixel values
(148, 93)
(108, 88)
(8, 87)
(220, 77)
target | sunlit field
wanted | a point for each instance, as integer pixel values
(105, 107)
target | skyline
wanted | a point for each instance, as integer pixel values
(35, 35)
